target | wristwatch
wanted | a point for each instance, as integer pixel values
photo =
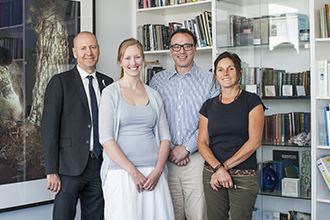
(187, 150)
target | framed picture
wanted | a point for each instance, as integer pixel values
(251, 88)
(26, 67)
(270, 91)
(300, 90)
(287, 90)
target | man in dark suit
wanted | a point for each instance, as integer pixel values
(70, 135)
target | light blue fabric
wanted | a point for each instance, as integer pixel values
(109, 118)
(183, 97)
(136, 136)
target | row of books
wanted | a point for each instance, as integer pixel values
(271, 30)
(14, 46)
(201, 26)
(11, 13)
(269, 82)
(155, 36)
(323, 68)
(324, 21)
(160, 3)
(279, 128)
(150, 69)
(287, 164)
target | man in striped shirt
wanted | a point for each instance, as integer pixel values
(184, 88)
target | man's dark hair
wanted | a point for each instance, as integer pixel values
(182, 31)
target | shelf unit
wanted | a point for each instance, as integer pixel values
(290, 57)
(287, 56)
(319, 51)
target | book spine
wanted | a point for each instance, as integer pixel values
(326, 117)
(321, 125)
(305, 175)
(282, 128)
(306, 122)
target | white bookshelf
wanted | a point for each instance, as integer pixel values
(319, 51)
(290, 58)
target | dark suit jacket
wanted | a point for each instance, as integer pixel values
(66, 123)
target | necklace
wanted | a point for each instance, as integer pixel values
(238, 92)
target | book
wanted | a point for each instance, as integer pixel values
(261, 30)
(328, 79)
(174, 25)
(148, 72)
(322, 125)
(264, 26)
(307, 119)
(233, 25)
(290, 172)
(278, 167)
(206, 29)
(327, 124)
(202, 36)
(237, 30)
(197, 32)
(246, 32)
(287, 155)
(323, 163)
(166, 34)
(256, 30)
(208, 16)
(305, 172)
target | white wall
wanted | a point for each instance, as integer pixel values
(113, 25)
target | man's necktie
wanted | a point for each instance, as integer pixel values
(97, 148)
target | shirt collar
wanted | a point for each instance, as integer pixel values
(191, 72)
(84, 74)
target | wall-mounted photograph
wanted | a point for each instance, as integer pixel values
(36, 39)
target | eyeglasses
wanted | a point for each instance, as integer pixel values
(186, 47)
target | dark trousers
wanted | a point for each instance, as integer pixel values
(239, 201)
(87, 187)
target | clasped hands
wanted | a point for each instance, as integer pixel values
(178, 155)
(221, 178)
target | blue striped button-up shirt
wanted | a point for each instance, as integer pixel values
(183, 97)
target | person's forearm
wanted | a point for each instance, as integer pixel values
(164, 149)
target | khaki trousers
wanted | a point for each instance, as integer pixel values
(240, 201)
(186, 188)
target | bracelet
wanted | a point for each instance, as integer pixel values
(225, 165)
(217, 167)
